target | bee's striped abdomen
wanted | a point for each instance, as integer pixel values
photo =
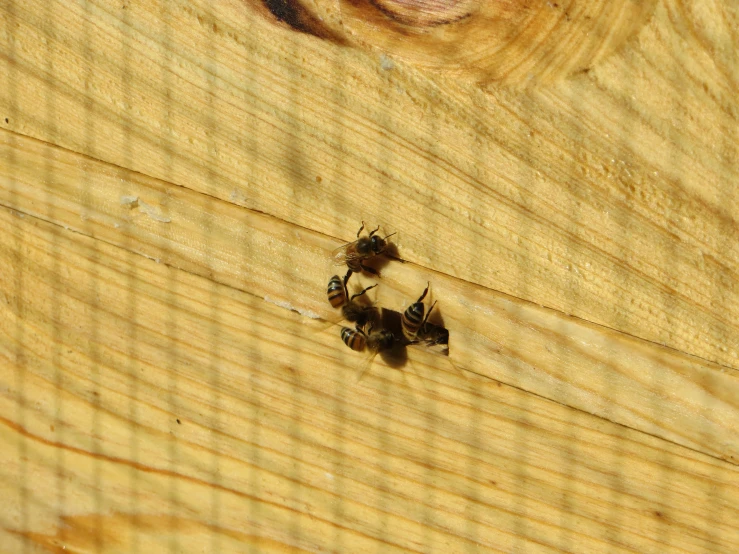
(336, 292)
(412, 319)
(353, 339)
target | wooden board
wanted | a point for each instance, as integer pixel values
(173, 177)
(156, 405)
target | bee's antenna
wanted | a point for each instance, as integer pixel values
(425, 319)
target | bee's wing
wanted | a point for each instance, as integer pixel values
(438, 348)
(344, 253)
(365, 365)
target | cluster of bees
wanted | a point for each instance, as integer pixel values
(371, 333)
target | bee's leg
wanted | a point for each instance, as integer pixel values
(360, 229)
(371, 270)
(346, 278)
(361, 293)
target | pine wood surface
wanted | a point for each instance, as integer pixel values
(173, 179)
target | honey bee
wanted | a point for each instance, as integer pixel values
(413, 319)
(352, 311)
(358, 340)
(354, 253)
(417, 330)
(374, 342)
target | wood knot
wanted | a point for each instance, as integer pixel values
(425, 13)
(509, 41)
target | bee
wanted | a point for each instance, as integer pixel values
(352, 311)
(413, 319)
(360, 341)
(354, 253)
(417, 330)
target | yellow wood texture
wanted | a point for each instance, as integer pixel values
(516, 42)
(160, 404)
(173, 178)
(631, 382)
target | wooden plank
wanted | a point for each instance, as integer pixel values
(594, 369)
(593, 196)
(149, 408)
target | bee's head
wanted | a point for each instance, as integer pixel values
(377, 244)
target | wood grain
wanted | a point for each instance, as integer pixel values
(628, 381)
(173, 176)
(595, 197)
(513, 42)
(149, 408)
